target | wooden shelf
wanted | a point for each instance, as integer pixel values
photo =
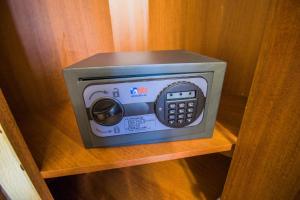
(54, 141)
(197, 178)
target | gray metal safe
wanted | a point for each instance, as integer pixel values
(145, 97)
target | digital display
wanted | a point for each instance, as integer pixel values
(181, 95)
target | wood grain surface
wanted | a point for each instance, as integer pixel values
(55, 143)
(229, 30)
(198, 178)
(266, 161)
(40, 38)
(17, 142)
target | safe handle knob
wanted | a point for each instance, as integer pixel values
(107, 112)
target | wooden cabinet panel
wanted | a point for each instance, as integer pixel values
(197, 178)
(266, 161)
(47, 36)
(229, 30)
(42, 37)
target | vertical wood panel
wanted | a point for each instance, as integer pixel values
(129, 24)
(13, 63)
(240, 41)
(166, 24)
(229, 30)
(266, 161)
(203, 24)
(52, 34)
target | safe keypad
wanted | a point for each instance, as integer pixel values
(180, 113)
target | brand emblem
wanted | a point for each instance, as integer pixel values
(138, 91)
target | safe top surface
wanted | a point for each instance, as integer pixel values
(143, 58)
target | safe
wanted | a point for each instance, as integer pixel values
(145, 97)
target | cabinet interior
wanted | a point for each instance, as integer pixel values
(39, 39)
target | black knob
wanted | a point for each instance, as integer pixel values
(107, 112)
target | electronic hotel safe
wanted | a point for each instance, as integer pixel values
(145, 97)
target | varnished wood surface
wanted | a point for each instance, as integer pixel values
(231, 111)
(227, 29)
(266, 161)
(15, 139)
(54, 140)
(40, 38)
(197, 178)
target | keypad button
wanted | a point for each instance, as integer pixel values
(180, 121)
(189, 115)
(190, 110)
(181, 110)
(181, 116)
(172, 105)
(189, 120)
(172, 111)
(181, 105)
(191, 104)
(171, 116)
(171, 122)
